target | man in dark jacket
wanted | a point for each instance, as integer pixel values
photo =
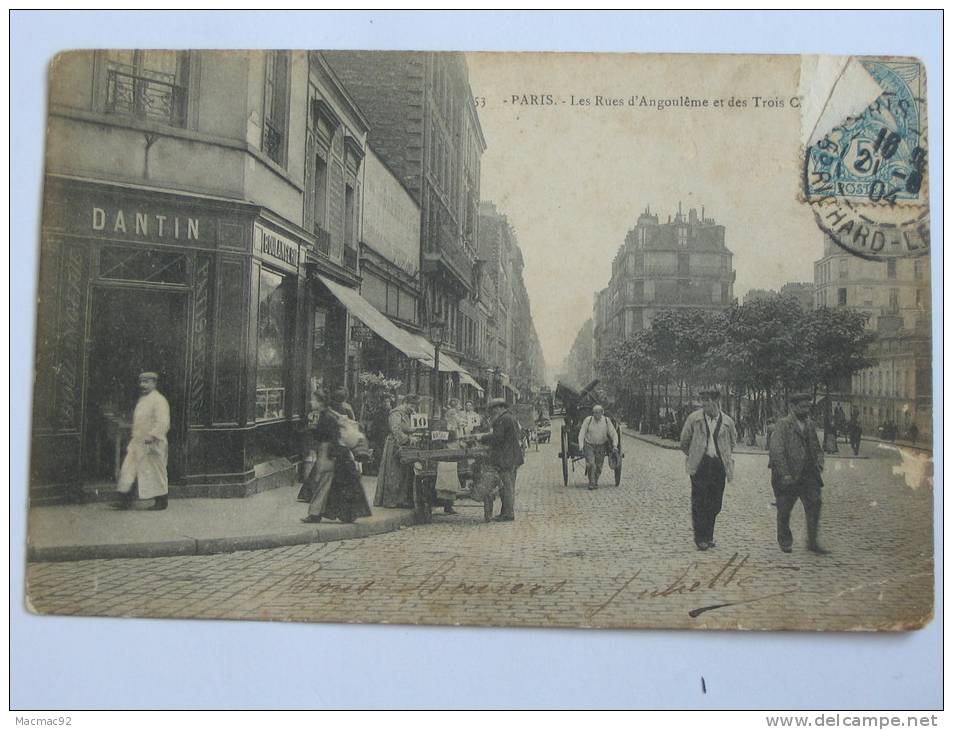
(506, 453)
(796, 464)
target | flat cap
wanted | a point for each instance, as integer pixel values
(709, 394)
(148, 375)
(494, 402)
(800, 398)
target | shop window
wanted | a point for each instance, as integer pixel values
(275, 315)
(136, 264)
(274, 132)
(151, 85)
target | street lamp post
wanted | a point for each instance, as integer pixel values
(497, 373)
(437, 334)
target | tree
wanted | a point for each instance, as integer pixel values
(834, 343)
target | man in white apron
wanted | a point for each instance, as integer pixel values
(147, 455)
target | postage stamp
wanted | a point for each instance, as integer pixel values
(866, 178)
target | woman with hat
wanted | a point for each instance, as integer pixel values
(394, 480)
(334, 482)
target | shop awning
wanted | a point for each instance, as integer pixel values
(447, 363)
(467, 379)
(383, 327)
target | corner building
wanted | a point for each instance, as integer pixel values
(197, 204)
(682, 263)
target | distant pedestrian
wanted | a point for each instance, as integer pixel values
(506, 454)
(797, 461)
(854, 433)
(597, 438)
(708, 440)
(913, 433)
(147, 455)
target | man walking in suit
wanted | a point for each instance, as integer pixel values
(796, 464)
(708, 440)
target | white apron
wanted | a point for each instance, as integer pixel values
(147, 463)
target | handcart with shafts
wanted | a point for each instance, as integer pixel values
(431, 444)
(578, 404)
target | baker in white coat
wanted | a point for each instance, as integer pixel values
(147, 456)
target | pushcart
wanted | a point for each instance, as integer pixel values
(427, 449)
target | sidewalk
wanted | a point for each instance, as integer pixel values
(193, 527)
(845, 453)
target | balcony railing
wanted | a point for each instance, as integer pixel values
(154, 97)
(323, 245)
(272, 142)
(350, 258)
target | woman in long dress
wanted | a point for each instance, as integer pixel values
(335, 481)
(395, 481)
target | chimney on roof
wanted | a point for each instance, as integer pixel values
(703, 214)
(692, 216)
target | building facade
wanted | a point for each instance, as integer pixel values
(895, 285)
(195, 204)
(518, 368)
(682, 263)
(801, 292)
(425, 127)
(895, 294)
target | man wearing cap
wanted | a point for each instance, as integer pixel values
(797, 461)
(596, 436)
(506, 453)
(147, 454)
(708, 440)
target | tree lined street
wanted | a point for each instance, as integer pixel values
(617, 556)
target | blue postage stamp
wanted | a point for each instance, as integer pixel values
(866, 179)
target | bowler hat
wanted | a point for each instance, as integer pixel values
(496, 402)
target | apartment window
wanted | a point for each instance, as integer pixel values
(918, 268)
(683, 235)
(894, 299)
(920, 299)
(891, 268)
(842, 297)
(151, 85)
(348, 215)
(868, 296)
(320, 192)
(842, 268)
(275, 130)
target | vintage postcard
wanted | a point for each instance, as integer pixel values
(495, 339)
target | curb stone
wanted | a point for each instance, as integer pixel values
(329, 532)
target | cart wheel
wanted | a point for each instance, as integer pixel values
(564, 444)
(424, 494)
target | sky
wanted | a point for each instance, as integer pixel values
(572, 179)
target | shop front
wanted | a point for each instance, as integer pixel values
(211, 294)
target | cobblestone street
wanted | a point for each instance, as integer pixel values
(616, 557)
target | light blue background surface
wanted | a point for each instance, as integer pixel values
(77, 663)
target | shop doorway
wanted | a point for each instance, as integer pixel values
(132, 329)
